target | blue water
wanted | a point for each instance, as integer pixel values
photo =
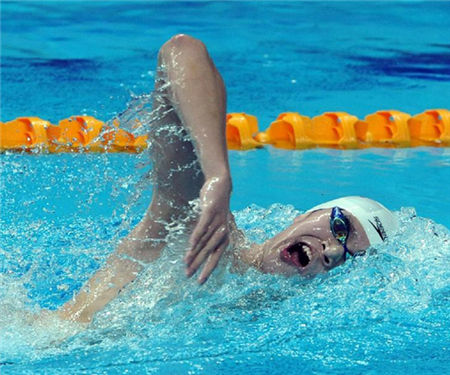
(61, 215)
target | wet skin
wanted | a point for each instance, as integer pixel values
(190, 98)
(308, 246)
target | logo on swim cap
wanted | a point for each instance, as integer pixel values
(379, 227)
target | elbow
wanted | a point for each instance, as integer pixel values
(182, 43)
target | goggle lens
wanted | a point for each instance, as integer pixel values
(340, 230)
(340, 227)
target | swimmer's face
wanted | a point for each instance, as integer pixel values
(308, 246)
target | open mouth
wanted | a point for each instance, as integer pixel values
(299, 255)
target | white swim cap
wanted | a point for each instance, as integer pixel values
(378, 222)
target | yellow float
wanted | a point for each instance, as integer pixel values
(290, 130)
(74, 134)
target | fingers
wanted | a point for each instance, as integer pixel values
(212, 262)
(215, 241)
(205, 228)
(193, 252)
(201, 228)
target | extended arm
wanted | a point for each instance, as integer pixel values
(141, 246)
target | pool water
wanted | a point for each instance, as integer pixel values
(61, 215)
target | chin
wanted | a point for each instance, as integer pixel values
(310, 273)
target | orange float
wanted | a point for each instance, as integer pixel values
(24, 133)
(334, 129)
(75, 133)
(288, 131)
(240, 130)
(384, 129)
(431, 127)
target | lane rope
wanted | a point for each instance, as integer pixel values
(291, 130)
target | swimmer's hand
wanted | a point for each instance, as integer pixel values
(211, 235)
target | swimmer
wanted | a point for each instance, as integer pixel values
(192, 164)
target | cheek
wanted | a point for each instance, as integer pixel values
(274, 265)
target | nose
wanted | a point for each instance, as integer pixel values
(333, 253)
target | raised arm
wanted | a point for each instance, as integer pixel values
(197, 93)
(189, 95)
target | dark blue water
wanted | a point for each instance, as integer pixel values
(61, 215)
(275, 56)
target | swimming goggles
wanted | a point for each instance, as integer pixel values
(340, 227)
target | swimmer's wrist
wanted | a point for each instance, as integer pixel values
(224, 180)
(222, 174)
